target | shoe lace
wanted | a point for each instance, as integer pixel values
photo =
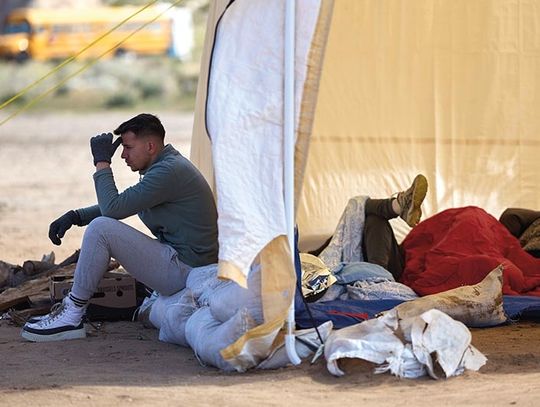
(404, 199)
(56, 311)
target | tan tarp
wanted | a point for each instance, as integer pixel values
(448, 88)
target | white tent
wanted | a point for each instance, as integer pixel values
(385, 89)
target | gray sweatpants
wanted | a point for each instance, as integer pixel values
(153, 263)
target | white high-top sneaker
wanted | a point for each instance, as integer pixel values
(63, 322)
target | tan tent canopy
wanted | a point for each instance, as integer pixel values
(446, 88)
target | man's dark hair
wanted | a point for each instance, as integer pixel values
(142, 125)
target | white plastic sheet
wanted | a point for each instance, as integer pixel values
(433, 332)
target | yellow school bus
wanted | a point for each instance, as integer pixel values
(43, 34)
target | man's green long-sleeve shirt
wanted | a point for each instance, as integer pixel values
(172, 199)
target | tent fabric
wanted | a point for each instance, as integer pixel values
(394, 88)
(460, 246)
(245, 125)
(243, 118)
(444, 88)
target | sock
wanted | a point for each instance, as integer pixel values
(395, 206)
(77, 301)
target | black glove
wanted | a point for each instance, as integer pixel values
(103, 148)
(58, 228)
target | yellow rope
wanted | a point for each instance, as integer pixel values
(70, 59)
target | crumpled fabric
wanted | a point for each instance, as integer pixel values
(210, 314)
(436, 333)
(175, 317)
(343, 256)
(316, 277)
(475, 305)
(433, 333)
(347, 273)
(366, 281)
(460, 246)
(379, 290)
(346, 243)
(207, 336)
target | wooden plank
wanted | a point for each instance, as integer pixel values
(15, 296)
(32, 287)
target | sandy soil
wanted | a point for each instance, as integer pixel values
(46, 170)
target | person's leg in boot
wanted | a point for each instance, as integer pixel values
(407, 204)
(147, 260)
(379, 245)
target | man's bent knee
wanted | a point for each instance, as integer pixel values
(102, 224)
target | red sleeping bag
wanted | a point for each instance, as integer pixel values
(460, 247)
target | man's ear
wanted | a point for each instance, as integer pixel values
(151, 146)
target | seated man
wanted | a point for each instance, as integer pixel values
(172, 199)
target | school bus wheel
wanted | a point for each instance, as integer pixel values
(22, 56)
(120, 52)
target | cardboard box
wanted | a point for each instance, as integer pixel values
(115, 297)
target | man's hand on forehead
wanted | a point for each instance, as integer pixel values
(103, 148)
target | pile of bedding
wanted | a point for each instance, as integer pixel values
(461, 246)
(456, 248)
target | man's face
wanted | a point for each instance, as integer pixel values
(136, 151)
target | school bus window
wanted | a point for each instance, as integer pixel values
(154, 27)
(57, 29)
(81, 28)
(17, 28)
(129, 26)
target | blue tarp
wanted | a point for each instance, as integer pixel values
(345, 313)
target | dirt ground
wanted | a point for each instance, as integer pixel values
(46, 170)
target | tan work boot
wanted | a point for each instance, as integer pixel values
(410, 201)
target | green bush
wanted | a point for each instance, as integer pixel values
(120, 100)
(62, 90)
(159, 82)
(149, 89)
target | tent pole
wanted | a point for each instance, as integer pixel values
(288, 155)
